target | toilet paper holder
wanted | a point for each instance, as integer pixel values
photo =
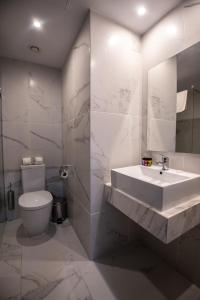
(65, 171)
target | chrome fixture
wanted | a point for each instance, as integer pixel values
(164, 162)
(67, 171)
(34, 49)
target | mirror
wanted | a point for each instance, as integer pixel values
(174, 103)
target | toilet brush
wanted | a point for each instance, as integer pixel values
(11, 198)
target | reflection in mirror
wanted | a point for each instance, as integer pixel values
(174, 103)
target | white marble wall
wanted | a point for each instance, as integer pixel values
(76, 133)
(115, 123)
(101, 127)
(177, 31)
(31, 120)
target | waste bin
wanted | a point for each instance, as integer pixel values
(59, 210)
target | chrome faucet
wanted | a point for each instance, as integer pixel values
(164, 162)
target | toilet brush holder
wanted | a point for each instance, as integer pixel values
(11, 198)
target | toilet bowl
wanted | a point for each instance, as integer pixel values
(35, 208)
(36, 203)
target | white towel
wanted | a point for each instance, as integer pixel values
(39, 160)
(181, 101)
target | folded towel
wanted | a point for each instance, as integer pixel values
(39, 160)
(26, 161)
(181, 101)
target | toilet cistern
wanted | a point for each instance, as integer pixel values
(36, 203)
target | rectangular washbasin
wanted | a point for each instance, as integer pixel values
(162, 190)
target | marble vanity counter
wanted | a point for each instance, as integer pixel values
(165, 225)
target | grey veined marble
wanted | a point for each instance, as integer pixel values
(165, 225)
(55, 266)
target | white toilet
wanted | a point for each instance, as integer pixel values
(36, 203)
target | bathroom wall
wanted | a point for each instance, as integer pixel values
(31, 121)
(76, 132)
(101, 101)
(115, 124)
(178, 30)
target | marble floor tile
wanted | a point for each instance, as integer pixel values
(10, 271)
(11, 232)
(55, 266)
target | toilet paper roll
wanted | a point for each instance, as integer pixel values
(38, 160)
(26, 161)
(64, 174)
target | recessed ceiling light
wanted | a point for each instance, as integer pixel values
(141, 11)
(34, 49)
(37, 24)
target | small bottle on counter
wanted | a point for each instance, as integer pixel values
(147, 161)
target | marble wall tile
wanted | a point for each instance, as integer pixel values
(165, 39)
(80, 219)
(16, 144)
(54, 184)
(101, 122)
(13, 177)
(44, 91)
(112, 137)
(10, 264)
(46, 140)
(36, 88)
(109, 230)
(114, 143)
(115, 120)
(31, 103)
(192, 163)
(10, 271)
(76, 77)
(76, 133)
(14, 88)
(114, 89)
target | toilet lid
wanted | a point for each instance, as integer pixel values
(35, 200)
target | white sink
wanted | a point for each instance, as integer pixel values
(162, 191)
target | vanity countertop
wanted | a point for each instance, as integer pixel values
(165, 225)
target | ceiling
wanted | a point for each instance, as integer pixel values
(62, 19)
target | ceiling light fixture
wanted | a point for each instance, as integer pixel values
(141, 11)
(37, 24)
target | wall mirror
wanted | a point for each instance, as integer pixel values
(174, 103)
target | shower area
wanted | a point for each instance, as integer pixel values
(188, 124)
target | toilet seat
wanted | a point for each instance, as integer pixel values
(35, 200)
